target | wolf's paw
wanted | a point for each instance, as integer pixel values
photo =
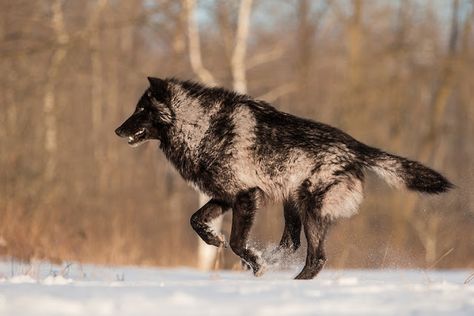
(312, 270)
(304, 275)
(259, 267)
(244, 265)
(260, 270)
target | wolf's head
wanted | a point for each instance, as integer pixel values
(152, 115)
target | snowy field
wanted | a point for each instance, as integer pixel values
(94, 290)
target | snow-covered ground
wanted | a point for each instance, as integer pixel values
(93, 290)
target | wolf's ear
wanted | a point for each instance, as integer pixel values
(158, 86)
(160, 98)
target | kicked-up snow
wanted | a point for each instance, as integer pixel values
(43, 289)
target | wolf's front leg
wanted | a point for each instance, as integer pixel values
(243, 214)
(201, 220)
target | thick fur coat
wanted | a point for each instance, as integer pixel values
(242, 152)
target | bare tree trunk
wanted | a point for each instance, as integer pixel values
(97, 65)
(351, 113)
(305, 46)
(49, 99)
(179, 35)
(207, 254)
(240, 48)
(222, 14)
(355, 45)
(97, 99)
(443, 91)
(194, 44)
(112, 77)
(6, 122)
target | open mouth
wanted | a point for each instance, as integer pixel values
(137, 138)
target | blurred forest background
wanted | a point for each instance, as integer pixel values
(394, 74)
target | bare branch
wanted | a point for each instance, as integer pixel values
(264, 57)
(441, 258)
(278, 92)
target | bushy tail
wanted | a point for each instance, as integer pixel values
(402, 172)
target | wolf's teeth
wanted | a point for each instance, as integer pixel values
(130, 137)
(141, 131)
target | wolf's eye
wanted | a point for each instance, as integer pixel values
(148, 93)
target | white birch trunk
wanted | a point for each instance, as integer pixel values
(49, 99)
(240, 48)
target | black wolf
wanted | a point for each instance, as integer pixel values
(241, 152)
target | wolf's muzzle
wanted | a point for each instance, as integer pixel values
(120, 132)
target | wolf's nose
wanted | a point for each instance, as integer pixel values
(118, 132)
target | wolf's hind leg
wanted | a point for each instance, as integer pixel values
(201, 220)
(243, 214)
(320, 206)
(290, 240)
(315, 226)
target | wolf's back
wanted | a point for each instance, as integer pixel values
(402, 172)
